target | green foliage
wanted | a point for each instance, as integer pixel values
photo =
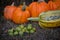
(21, 30)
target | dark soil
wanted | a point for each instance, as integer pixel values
(40, 34)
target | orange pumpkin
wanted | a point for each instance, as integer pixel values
(57, 2)
(52, 5)
(36, 8)
(43, 6)
(20, 15)
(33, 8)
(8, 11)
(27, 8)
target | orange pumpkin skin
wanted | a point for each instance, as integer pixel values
(33, 8)
(54, 0)
(20, 16)
(57, 2)
(43, 6)
(8, 11)
(52, 5)
(36, 8)
(27, 8)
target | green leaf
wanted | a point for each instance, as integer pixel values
(24, 30)
(21, 26)
(21, 33)
(10, 30)
(32, 31)
(15, 33)
(18, 28)
(11, 34)
(27, 31)
(29, 26)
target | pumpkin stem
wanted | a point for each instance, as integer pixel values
(24, 6)
(40, 1)
(12, 4)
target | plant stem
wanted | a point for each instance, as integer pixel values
(40, 1)
(12, 4)
(24, 6)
